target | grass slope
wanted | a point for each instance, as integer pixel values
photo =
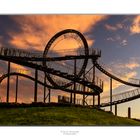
(60, 116)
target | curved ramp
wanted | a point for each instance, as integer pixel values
(79, 90)
(123, 97)
(98, 66)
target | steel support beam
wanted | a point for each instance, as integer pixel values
(49, 95)
(115, 109)
(83, 100)
(84, 89)
(16, 89)
(8, 82)
(93, 83)
(93, 100)
(44, 99)
(111, 94)
(129, 112)
(98, 100)
(93, 74)
(35, 87)
(74, 88)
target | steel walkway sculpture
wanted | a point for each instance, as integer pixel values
(68, 77)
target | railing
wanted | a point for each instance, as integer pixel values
(121, 96)
(19, 52)
(78, 101)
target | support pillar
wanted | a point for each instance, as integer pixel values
(129, 112)
(35, 88)
(49, 95)
(93, 80)
(93, 74)
(84, 90)
(111, 94)
(115, 109)
(16, 89)
(44, 99)
(83, 100)
(98, 100)
(8, 82)
(74, 88)
(93, 100)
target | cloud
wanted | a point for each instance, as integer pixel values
(20, 69)
(119, 25)
(132, 65)
(135, 27)
(110, 27)
(16, 66)
(38, 29)
(113, 28)
(131, 74)
(110, 39)
(121, 69)
(117, 39)
(124, 43)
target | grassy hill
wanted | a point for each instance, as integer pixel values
(60, 116)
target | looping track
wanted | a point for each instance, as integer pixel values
(86, 53)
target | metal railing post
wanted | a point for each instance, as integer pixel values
(8, 82)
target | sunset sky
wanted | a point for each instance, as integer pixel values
(118, 37)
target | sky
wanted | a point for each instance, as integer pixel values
(116, 35)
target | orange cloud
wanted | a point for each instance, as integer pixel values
(38, 29)
(20, 69)
(121, 69)
(132, 65)
(16, 66)
(130, 75)
(135, 27)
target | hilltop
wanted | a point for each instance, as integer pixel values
(60, 115)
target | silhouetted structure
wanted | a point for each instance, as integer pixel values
(79, 81)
